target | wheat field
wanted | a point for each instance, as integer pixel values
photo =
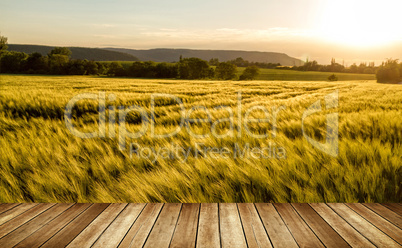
(41, 161)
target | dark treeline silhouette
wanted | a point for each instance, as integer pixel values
(58, 62)
(389, 72)
(335, 67)
(240, 62)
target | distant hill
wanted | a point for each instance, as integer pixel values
(173, 55)
(95, 54)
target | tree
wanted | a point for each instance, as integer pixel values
(389, 72)
(193, 68)
(3, 44)
(115, 69)
(61, 51)
(226, 71)
(58, 64)
(36, 63)
(250, 73)
(13, 62)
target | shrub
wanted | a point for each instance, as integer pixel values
(333, 77)
(250, 73)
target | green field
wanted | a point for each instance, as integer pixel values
(41, 161)
(292, 75)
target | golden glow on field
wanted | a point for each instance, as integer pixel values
(361, 23)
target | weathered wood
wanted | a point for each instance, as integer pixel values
(397, 208)
(324, 232)
(120, 226)
(51, 228)
(279, 234)
(200, 225)
(7, 206)
(92, 232)
(386, 213)
(186, 229)
(69, 232)
(230, 226)
(254, 230)
(299, 229)
(162, 232)
(391, 230)
(348, 233)
(208, 226)
(14, 212)
(139, 231)
(30, 227)
(23, 218)
(371, 232)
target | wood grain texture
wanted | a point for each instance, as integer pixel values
(300, 230)
(386, 213)
(120, 226)
(348, 233)
(139, 231)
(231, 228)
(30, 227)
(163, 230)
(7, 206)
(69, 232)
(278, 232)
(254, 230)
(93, 231)
(385, 226)
(322, 230)
(208, 226)
(186, 229)
(371, 232)
(51, 228)
(23, 218)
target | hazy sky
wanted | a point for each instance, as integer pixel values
(345, 29)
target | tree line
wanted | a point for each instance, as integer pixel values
(58, 62)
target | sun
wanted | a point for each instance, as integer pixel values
(361, 23)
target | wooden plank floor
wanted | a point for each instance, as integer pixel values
(201, 225)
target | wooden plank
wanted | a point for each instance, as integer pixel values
(30, 227)
(254, 230)
(278, 232)
(232, 234)
(386, 213)
(69, 232)
(51, 228)
(7, 206)
(299, 229)
(208, 226)
(14, 212)
(93, 231)
(391, 230)
(348, 233)
(322, 230)
(120, 226)
(21, 219)
(185, 233)
(397, 208)
(162, 232)
(373, 234)
(139, 231)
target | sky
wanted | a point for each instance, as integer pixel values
(348, 30)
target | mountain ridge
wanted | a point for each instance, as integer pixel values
(173, 55)
(161, 54)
